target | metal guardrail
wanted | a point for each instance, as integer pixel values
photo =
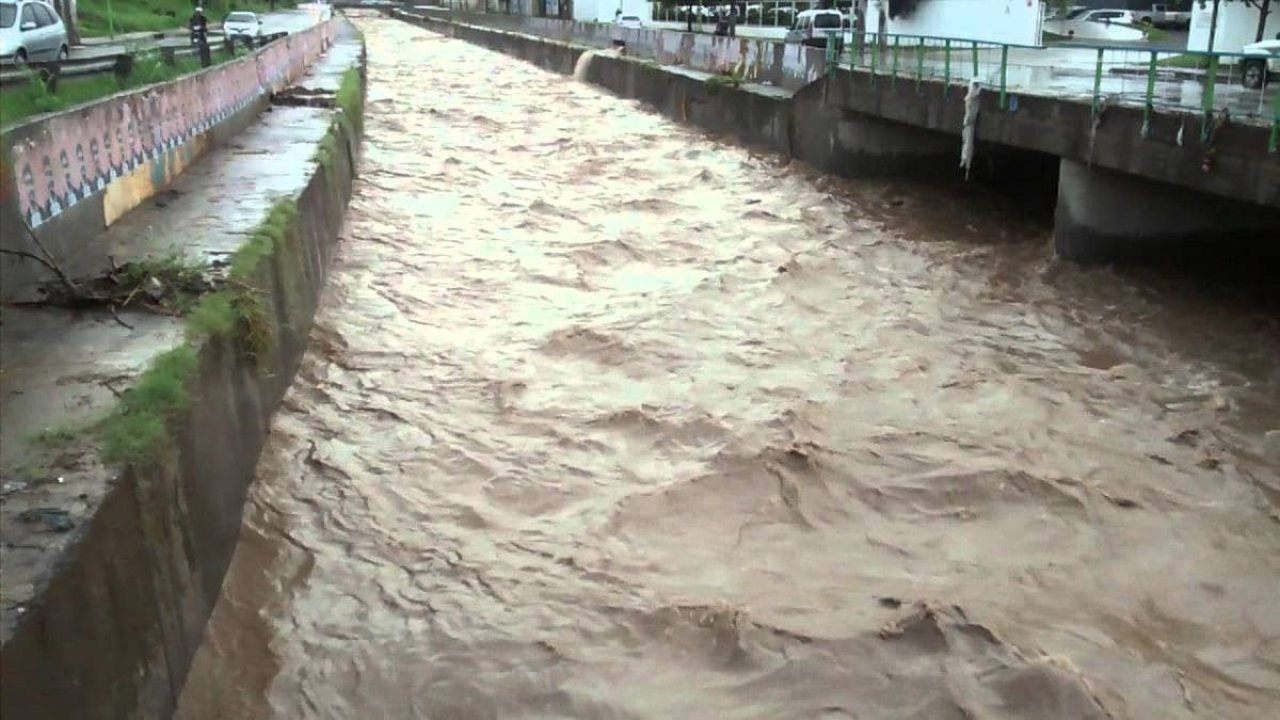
(1208, 83)
(120, 64)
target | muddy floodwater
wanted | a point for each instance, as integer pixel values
(604, 418)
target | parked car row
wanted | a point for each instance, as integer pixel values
(31, 31)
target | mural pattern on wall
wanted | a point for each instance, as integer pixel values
(791, 66)
(67, 158)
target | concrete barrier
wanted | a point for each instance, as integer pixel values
(800, 123)
(69, 175)
(1124, 188)
(757, 60)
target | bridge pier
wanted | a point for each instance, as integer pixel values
(1106, 215)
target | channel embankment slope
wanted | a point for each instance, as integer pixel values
(132, 428)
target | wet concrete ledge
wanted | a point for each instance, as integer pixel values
(110, 572)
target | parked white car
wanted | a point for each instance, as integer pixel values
(1162, 17)
(1121, 17)
(242, 25)
(811, 27)
(31, 31)
(1262, 61)
(629, 21)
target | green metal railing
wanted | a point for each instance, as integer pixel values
(1209, 84)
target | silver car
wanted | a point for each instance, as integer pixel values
(31, 31)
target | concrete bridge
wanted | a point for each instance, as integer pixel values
(1132, 180)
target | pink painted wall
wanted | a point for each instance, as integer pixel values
(57, 161)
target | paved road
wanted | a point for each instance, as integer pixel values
(283, 21)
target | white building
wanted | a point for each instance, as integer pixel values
(1237, 25)
(1016, 22)
(606, 10)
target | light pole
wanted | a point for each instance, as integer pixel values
(1213, 24)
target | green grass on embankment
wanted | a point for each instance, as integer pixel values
(147, 15)
(22, 101)
(140, 429)
(1193, 62)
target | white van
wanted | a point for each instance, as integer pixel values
(811, 27)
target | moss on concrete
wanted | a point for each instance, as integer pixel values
(349, 120)
(351, 101)
(214, 315)
(265, 239)
(138, 431)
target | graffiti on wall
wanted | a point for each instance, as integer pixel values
(67, 158)
(759, 59)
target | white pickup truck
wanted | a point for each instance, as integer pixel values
(1162, 17)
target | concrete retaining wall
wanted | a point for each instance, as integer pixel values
(789, 66)
(1232, 163)
(71, 174)
(115, 631)
(848, 125)
(802, 125)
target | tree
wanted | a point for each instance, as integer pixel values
(1264, 9)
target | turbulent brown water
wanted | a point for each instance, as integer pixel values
(607, 419)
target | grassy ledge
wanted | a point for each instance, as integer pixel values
(350, 117)
(138, 431)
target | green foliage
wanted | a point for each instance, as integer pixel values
(350, 101)
(215, 314)
(350, 105)
(55, 436)
(265, 239)
(138, 430)
(152, 15)
(174, 269)
(18, 102)
(237, 314)
(326, 148)
(725, 79)
(1193, 62)
(254, 323)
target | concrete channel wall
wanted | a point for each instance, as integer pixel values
(69, 175)
(850, 124)
(800, 124)
(757, 60)
(113, 631)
